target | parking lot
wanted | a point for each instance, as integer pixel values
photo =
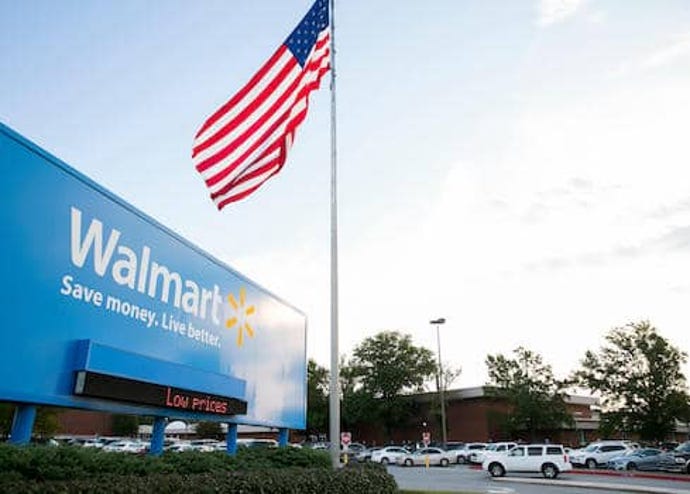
(461, 478)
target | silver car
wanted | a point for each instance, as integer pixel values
(424, 456)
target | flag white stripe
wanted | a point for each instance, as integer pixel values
(252, 117)
(247, 99)
(310, 77)
(243, 171)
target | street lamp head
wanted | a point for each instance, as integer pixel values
(440, 320)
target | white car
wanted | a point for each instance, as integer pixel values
(389, 454)
(478, 456)
(126, 447)
(599, 453)
(434, 456)
(462, 455)
(179, 447)
(549, 459)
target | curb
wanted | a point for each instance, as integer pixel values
(632, 475)
(595, 485)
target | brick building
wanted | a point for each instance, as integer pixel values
(473, 415)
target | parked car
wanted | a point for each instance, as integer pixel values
(435, 456)
(478, 456)
(599, 453)
(677, 460)
(126, 447)
(365, 455)
(179, 447)
(638, 459)
(389, 454)
(353, 449)
(549, 459)
(462, 455)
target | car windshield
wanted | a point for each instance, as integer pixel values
(591, 447)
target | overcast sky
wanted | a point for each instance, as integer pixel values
(517, 167)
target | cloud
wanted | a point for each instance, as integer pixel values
(555, 11)
(674, 240)
(670, 210)
(678, 47)
(675, 49)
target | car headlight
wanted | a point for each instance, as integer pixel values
(680, 460)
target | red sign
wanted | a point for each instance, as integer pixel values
(426, 438)
(345, 438)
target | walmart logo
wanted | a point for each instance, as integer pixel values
(242, 313)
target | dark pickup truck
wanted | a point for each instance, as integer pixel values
(677, 460)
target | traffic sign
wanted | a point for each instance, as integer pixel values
(345, 438)
(426, 438)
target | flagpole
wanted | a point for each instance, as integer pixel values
(334, 401)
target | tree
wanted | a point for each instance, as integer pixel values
(535, 396)
(386, 366)
(125, 425)
(357, 404)
(46, 423)
(209, 430)
(6, 415)
(317, 398)
(449, 374)
(638, 376)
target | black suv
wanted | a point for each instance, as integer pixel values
(677, 460)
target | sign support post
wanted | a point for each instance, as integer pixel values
(157, 436)
(23, 424)
(283, 435)
(231, 439)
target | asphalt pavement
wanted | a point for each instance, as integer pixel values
(468, 479)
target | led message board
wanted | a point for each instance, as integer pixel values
(120, 389)
(106, 309)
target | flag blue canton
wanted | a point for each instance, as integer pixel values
(302, 39)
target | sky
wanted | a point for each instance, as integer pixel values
(517, 168)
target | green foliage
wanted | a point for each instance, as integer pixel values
(209, 430)
(536, 397)
(638, 375)
(45, 425)
(382, 369)
(317, 398)
(6, 414)
(125, 425)
(86, 470)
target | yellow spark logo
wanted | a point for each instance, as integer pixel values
(240, 319)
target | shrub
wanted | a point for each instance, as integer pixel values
(283, 470)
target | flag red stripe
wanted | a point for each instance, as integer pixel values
(247, 140)
(244, 156)
(272, 148)
(248, 87)
(249, 109)
(293, 123)
(252, 129)
(215, 158)
(302, 93)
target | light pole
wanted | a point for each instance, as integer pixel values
(438, 322)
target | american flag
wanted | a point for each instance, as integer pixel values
(246, 141)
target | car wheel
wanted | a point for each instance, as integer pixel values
(384, 461)
(549, 471)
(444, 462)
(496, 470)
(591, 463)
(408, 463)
(631, 466)
(461, 460)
